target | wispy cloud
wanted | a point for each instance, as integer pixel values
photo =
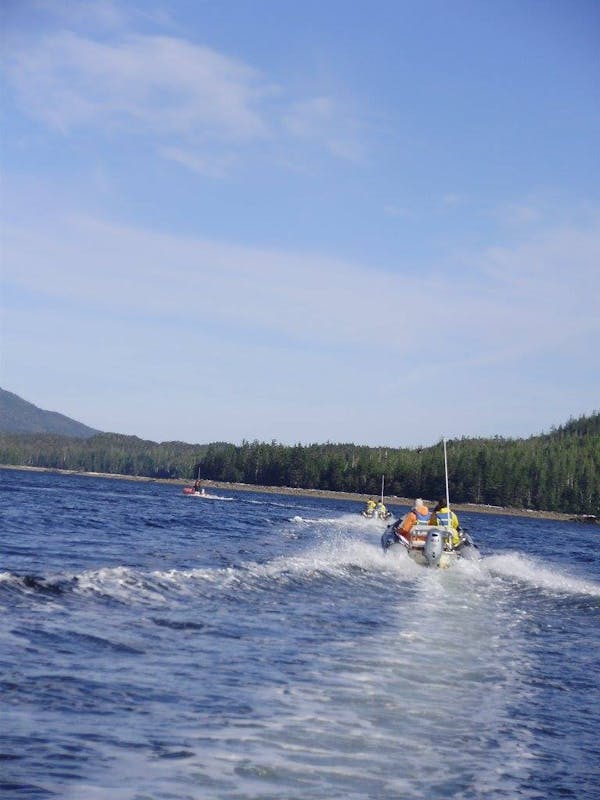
(527, 300)
(453, 200)
(210, 166)
(320, 119)
(560, 265)
(92, 14)
(143, 84)
(522, 214)
(537, 297)
(286, 324)
(194, 104)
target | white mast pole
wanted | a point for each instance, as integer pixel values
(447, 489)
(382, 482)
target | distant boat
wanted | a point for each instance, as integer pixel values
(432, 545)
(379, 511)
(203, 494)
(197, 490)
(189, 490)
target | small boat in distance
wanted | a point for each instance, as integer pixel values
(203, 494)
(189, 490)
(198, 490)
(437, 545)
(378, 510)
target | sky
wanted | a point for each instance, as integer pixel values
(368, 221)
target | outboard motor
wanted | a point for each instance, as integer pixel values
(388, 538)
(468, 549)
(434, 546)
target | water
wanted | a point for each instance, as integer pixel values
(158, 646)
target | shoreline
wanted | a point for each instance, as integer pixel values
(390, 500)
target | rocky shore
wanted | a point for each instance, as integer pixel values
(390, 500)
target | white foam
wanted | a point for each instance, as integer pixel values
(121, 583)
(531, 571)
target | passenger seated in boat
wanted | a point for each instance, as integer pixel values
(442, 515)
(418, 513)
(381, 510)
(369, 508)
(198, 487)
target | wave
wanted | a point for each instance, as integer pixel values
(338, 558)
(531, 572)
(35, 584)
(349, 522)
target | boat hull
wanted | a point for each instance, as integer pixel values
(376, 515)
(204, 495)
(430, 546)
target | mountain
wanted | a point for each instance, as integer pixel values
(19, 416)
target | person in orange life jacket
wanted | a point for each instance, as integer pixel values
(418, 513)
(443, 516)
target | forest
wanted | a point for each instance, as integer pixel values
(555, 471)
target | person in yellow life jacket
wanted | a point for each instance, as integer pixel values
(381, 510)
(442, 515)
(369, 507)
(418, 513)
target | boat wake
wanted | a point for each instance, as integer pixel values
(207, 496)
(338, 558)
(529, 571)
(342, 556)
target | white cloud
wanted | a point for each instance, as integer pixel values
(522, 214)
(528, 300)
(103, 14)
(210, 166)
(538, 298)
(143, 84)
(558, 266)
(321, 120)
(177, 318)
(308, 298)
(453, 200)
(183, 96)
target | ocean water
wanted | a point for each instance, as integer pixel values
(156, 646)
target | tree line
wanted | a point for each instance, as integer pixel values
(558, 471)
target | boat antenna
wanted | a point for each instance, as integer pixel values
(446, 471)
(382, 483)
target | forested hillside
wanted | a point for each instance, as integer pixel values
(19, 416)
(558, 471)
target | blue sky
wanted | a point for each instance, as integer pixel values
(372, 222)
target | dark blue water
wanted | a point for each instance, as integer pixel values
(156, 646)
